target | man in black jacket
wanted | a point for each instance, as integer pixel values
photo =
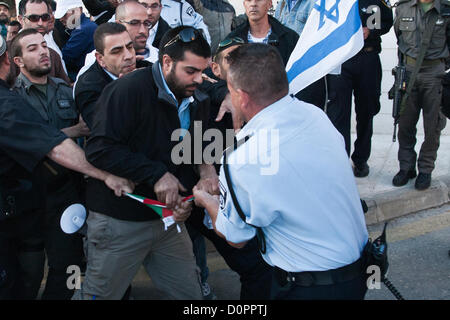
(140, 120)
(263, 28)
(115, 57)
(159, 25)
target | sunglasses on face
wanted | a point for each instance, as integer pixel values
(138, 23)
(185, 35)
(35, 17)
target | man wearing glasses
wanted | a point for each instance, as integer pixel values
(133, 15)
(37, 14)
(159, 25)
(132, 133)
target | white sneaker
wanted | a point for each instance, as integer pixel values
(207, 293)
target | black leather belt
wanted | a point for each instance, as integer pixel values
(321, 278)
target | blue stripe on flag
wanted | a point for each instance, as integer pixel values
(338, 38)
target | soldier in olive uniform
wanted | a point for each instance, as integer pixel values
(52, 99)
(412, 18)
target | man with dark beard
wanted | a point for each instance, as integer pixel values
(37, 14)
(140, 119)
(52, 99)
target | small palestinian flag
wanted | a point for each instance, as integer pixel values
(159, 207)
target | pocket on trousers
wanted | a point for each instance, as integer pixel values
(99, 230)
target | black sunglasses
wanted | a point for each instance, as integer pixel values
(35, 17)
(229, 41)
(186, 35)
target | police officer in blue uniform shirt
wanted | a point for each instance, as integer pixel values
(314, 235)
(361, 76)
(180, 13)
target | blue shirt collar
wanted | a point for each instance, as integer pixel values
(166, 87)
(110, 74)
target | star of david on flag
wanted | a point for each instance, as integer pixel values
(332, 35)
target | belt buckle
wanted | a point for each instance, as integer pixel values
(304, 279)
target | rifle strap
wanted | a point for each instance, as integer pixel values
(426, 40)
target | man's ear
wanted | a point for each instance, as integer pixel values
(167, 63)
(99, 58)
(215, 67)
(244, 99)
(18, 61)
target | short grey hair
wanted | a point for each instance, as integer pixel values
(258, 69)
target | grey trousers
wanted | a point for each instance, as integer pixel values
(426, 96)
(117, 249)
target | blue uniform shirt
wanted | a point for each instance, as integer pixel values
(293, 179)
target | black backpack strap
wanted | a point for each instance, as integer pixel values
(259, 233)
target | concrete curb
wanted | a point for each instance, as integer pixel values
(406, 200)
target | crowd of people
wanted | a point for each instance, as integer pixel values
(93, 92)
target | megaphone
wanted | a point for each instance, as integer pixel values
(73, 219)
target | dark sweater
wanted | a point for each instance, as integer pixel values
(283, 38)
(131, 138)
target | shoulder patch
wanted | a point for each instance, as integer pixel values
(190, 11)
(223, 196)
(386, 3)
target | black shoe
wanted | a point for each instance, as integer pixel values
(361, 170)
(423, 181)
(403, 177)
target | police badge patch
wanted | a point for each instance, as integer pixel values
(190, 11)
(223, 196)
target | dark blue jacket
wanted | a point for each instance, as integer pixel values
(80, 43)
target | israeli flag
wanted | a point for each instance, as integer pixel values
(332, 35)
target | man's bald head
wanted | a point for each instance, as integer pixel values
(122, 10)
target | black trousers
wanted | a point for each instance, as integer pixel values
(255, 274)
(315, 93)
(21, 256)
(361, 77)
(62, 250)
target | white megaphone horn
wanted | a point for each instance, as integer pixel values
(73, 219)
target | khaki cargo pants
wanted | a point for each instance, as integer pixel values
(117, 249)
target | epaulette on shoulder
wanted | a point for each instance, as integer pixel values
(400, 2)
